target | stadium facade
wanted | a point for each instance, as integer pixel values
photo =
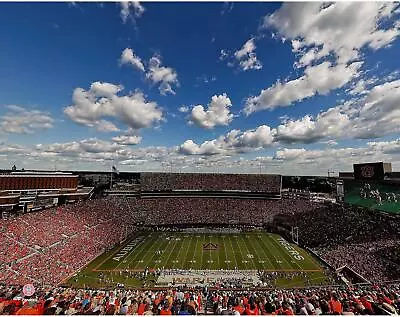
(37, 190)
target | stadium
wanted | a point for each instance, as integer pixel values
(200, 243)
(199, 158)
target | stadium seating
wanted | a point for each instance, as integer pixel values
(371, 300)
(48, 246)
(210, 182)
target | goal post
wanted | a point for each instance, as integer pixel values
(295, 234)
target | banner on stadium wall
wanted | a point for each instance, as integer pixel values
(369, 171)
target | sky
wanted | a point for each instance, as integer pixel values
(295, 88)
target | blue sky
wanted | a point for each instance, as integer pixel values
(294, 88)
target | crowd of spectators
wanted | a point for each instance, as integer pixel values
(356, 237)
(371, 300)
(217, 210)
(210, 182)
(48, 246)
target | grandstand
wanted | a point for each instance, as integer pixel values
(201, 235)
(26, 191)
(259, 185)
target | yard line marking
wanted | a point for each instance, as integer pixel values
(202, 252)
(130, 253)
(171, 252)
(187, 251)
(154, 246)
(209, 240)
(161, 245)
(196, 253)
(179, 252)
(145, 248)
(225, 249)
(257, 241)
(234, 253)
(288, 255)
(248, 252)
(240, 250)
(282, 252)
(267, 246)
(219, 251)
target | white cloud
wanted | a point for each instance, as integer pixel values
(106, 126)
(183, 109)
(327, 124)
(94, 149)
(386, 146)
(129, 57)
(102, 89)
(377, 114)
(23, 121)
(318, 31)
(250, 63)
(247, 57)
(207, 148)
(217, 114)
(320, 79)
(132, 10)
(361, 87)
(341, 28)
(95, 154)
(233, 142)
(165, 76)
(90, 107)
(12, 149)
(127, 139)
(247, 48)
(223, 55)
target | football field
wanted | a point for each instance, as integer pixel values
(203, 251)
(199, 251)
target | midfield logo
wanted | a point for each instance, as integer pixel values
(210, 246)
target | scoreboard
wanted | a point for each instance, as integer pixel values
(371, 171)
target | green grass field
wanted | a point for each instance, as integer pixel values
(244, 251)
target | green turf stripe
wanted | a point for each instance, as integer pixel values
(140, 254)
(229, 252)
(148, 255)
(291, 263)
(180, 247)
(250, 241)
(247, 252)
(189, 252)
(173, 251)
(269, 249)
(238, 252)
(128, 258)
(267, 258)
(151, 256)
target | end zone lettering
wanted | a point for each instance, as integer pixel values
(292, 251)
(129, 247)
